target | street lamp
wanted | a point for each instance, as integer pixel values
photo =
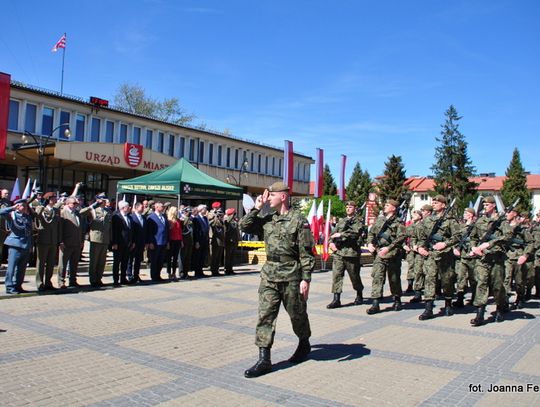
(41, 142)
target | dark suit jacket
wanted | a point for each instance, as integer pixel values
(157, 232)
(122, 233)
(139, 230)
(200, 231)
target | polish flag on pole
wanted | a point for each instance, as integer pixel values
(319, 171)
(325, 253)
(320, 220)
(27, 191)
(60, 44)
(288, 165)
(342, 177)
(16, 192)
(313, 224)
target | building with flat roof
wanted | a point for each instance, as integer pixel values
(99, 151)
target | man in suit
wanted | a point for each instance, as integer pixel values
(121, 242)
(100, 238)
(139, 238)
(71, 241)
(48, 237)
(157, 239)
(201, 229)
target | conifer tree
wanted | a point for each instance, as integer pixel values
(515, 185)
(359, 186)
(330, 187)
(392, 185)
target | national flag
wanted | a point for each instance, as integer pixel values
(312, 220)
(60, 44)
(16, 191)
(34, 186)
(288, 165)
(320, 220)
(319, 173)
(325, 253)
(342, 177)
(27, 189)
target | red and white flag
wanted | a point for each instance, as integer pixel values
(342, 177)
(60, 44)
(325, 253)
(319, 173)
(288, 165)
(27, 190)
(320, 220)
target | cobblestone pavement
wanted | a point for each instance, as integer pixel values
(188, 343)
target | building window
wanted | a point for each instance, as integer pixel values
(424, 197)
(80, 124)
(228, 158)
(306, 172)
(219, 152)
(160, 141)
(171, 145)
(191, 150)
(47, 121)
(280, 169)
(65, 119)
(13, 121)
(236, 164)
(123, 133)
(259, 163)
(252, 163)
(149, 138)
(273, 165)
(210, 154)
(182, 147)
(30, 118)
(266, 166)
(94, 131)
(109, 131)
(201, 151)
(136, 135)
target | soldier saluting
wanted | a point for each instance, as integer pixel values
(345, 243)
(286, 275)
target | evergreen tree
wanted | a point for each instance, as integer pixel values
(453, 167)
(359, 185)
(392, 185)
(329, 187)
(515, 185)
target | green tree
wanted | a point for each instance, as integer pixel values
(515, 185)
(133, 98)
(359, 186)
(453, 168)
(392, 185)
(329, 186)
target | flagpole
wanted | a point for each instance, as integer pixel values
(63, 58)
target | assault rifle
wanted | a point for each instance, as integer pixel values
(437, 225)
(465, 236)
(495, 225)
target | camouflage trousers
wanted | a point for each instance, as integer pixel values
(524, 276)
(465, 273)
(271, 295)
(419, 276)
(439, 266)
(489, 272)
(381, 268)
(410, 263)
(352, 265)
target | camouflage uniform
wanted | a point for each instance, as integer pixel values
(465, 263)
(347, 256)
(419, 276)
(289, 250)
(100, 238)
(535, 231)
(392, 238)
(217, 243)
(232, 236)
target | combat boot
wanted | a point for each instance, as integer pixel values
(499, 314)
(301, 352)
(518, 303)
(459, 301)
(397, 303)
(374, 307)
(262, 366)
(448, 311)
(359, 298)
(417, 297)
(428, 312)
(479, 319)
(409, 287)
(528, 294)
(336, 303)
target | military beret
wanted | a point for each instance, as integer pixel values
(427, 207)
(489, 199)
(21, 201)
(216, 205)
(392, 202)
(278, 187)
(49, 195)
(230, 211)
(439, 198)
(350, 203)
(470, 210)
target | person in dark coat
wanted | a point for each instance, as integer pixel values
(136, 255)
(122, 242)
(157, 239)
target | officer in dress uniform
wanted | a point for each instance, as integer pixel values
(100, 238)
(48, 238)
(232, 236)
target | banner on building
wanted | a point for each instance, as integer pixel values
(288, 165)
(5, 84)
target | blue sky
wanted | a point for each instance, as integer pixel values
(363, 78)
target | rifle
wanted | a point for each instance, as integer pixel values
(495, 225)
(465, 237)
(437, 225)
(381, 233)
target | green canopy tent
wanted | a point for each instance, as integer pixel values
(181, 179)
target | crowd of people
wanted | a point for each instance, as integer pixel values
(54, 229)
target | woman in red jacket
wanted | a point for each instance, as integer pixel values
(175, 244)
